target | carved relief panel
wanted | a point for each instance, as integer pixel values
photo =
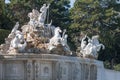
(29, 70)
(77, 71)
(43, 70)
(62, 70)
(14, 70)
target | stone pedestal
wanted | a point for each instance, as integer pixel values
(49, 67)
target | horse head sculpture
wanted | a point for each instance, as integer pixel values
(57, 32)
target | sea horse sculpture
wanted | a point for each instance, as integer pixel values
(58, 43)
(92, 47)
(18, 43)
(56, 39)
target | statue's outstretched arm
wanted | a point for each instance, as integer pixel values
(48, 5)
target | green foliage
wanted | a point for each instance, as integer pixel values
(3, 35)
(5, 21)
(117, 67)
(107, 65)
(17, 10)
(58, 12)
(2, 7)
(92, 18)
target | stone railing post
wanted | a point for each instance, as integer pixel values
(29, 70)
(36, 64)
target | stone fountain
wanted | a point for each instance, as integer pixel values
(39, 52)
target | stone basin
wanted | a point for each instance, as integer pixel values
(49, 67)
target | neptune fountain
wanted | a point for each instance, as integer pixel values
(38, 51)
(38, 37)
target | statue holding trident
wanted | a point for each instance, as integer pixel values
(43, 13)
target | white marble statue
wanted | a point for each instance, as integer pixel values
(35, 13)
(96, 43)
(31, 22)
(41, 19)
(90, 47)
(19, 34)
(64, 40)
(56, 39)
(33, 17)
(43, 13)
(15, 27)
(64, 43)
(12, 34)
(18, 42)
(84, 42)
(58, 42)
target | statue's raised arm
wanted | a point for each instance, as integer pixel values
(48, 6)
(44, 8)
(15, 27)
(43, 13)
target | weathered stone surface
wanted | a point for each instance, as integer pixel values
(52, 67)
(34, 53)
(47, 67)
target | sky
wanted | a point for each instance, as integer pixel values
(71, 2)
(7, 1)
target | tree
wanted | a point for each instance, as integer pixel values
(3, 34)
(58, 11)
(4, 21)
(94, 17)
(17, 10)
(3, 16)
(115, 58)
(1, 11)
